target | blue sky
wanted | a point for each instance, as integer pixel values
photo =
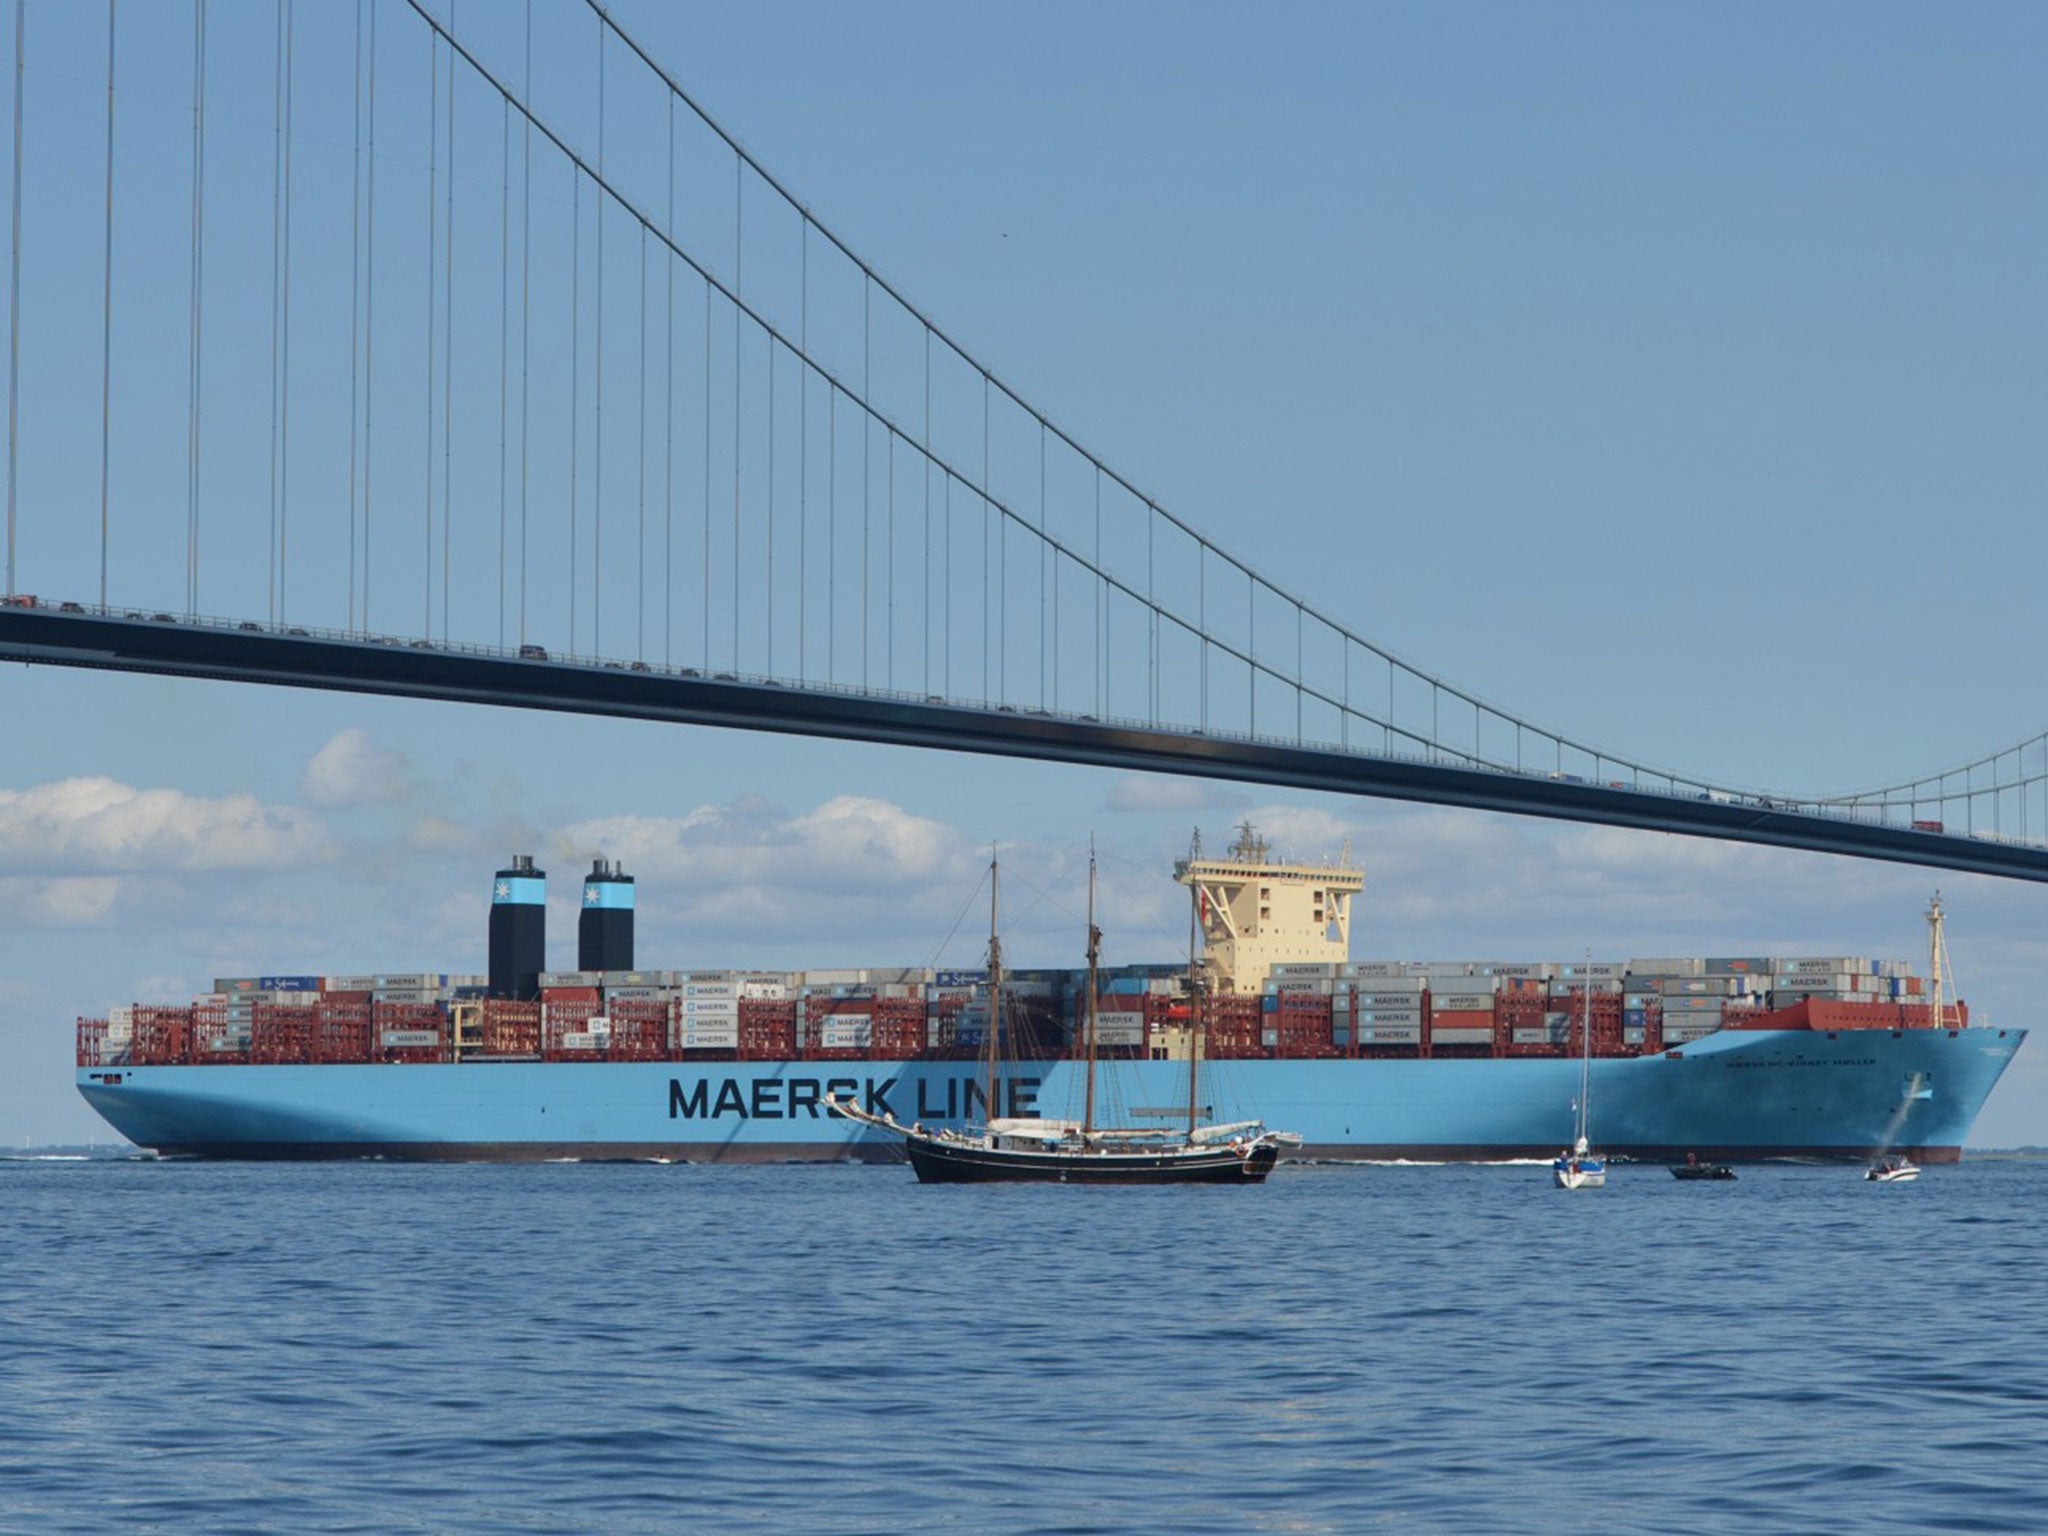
(1672, 375)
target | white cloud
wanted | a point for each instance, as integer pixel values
(350, 771)
(67, 902)
(102, 824)
(1170, 792)
(850, 838)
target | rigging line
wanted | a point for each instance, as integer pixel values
(14, 294)
(932, 955)
(197, 333)
(107, 319)
(525, 320)
(284, 402)
(369, 309)
(770, 594)
(448, 364)
(1041, 569)
(433, 284)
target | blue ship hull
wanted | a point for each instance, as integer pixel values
(1737, 1095)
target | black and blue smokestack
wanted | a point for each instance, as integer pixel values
(519, 929)
(604, 933)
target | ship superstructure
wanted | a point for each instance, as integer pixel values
(1255, 912)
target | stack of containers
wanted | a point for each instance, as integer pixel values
(838, 1028)
(216, 1042)
(416, 1031)
(567, 1012)
(950, 1016)
(704, 1011)
(1232, 1027)
(1299, 1011)
(1387, 1008)
(766, 1029)
(639, 1029)
(1461, 1009)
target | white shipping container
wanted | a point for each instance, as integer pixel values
(1816, 981)
(411, 1037)
(765, 991)
(840, 978)
(707, 1035)
(1821, 967)
(845, 1032)
(1381, 970)
(710, 1013)
(1390, 1034)
(1308, 970)
(1540, 1035)
(1376, 999)
(630, 994)
(1123, 1028)
(711, 989)
(1674, 966)
(351, 984)
(1461, 1002)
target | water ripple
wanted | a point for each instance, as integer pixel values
(639, 1348)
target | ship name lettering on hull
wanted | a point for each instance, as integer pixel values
(794, 1098)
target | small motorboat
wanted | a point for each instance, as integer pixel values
(1693, 1168)
(1891, 1170)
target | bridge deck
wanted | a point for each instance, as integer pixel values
(473, 675)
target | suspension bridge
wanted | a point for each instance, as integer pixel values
(409, 351)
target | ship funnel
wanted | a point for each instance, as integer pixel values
(519, 929)
(604, 931)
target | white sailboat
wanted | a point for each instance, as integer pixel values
(1581, 1167)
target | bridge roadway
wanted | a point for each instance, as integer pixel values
(472, 675)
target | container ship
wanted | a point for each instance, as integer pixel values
(1743, 1058)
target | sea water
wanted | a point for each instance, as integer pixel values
(378, 1347)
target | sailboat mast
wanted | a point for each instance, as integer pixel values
(1198, 1018)
(992, 1042)
(1585, 1044)
(1094, 956)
